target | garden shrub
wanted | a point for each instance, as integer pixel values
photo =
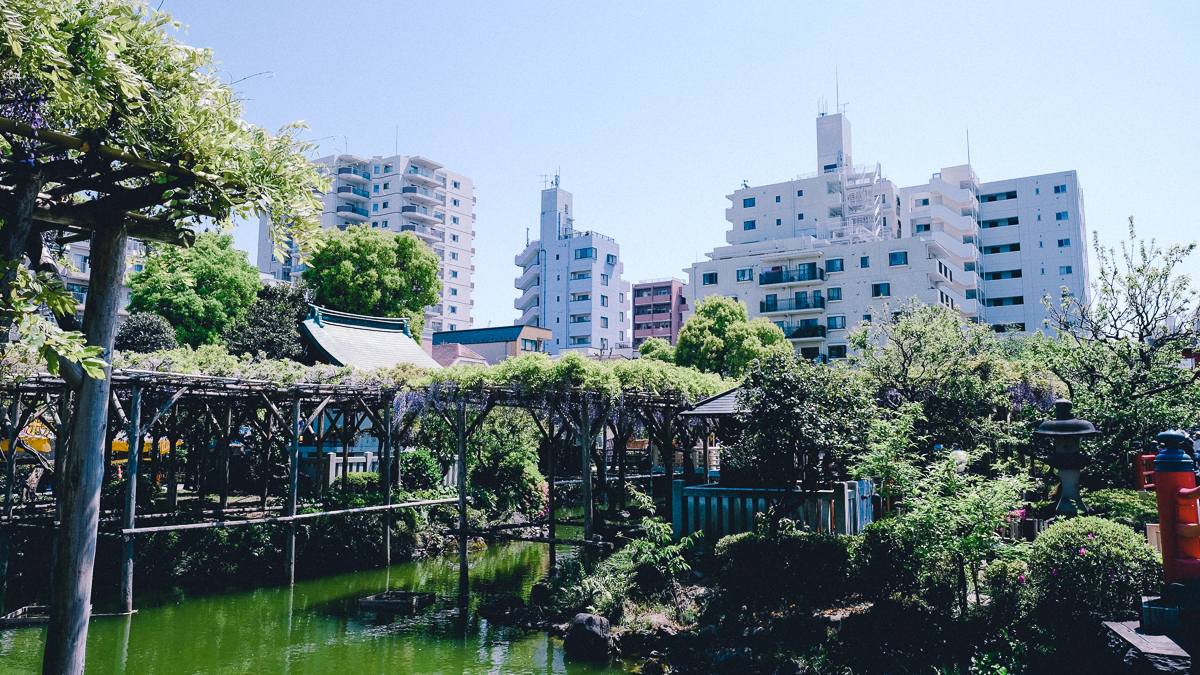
(358, 483)
(1091, 568)
(884, 561)
(804, 569)
(1009, 588)
(419, 470)
(511, 486)
(1123, 506)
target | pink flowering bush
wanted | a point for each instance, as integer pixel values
(1091, 567)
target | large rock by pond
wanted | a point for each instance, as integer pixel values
(587, 637)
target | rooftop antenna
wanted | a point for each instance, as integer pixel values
(527, 237)
(547, 179)
(968, 147)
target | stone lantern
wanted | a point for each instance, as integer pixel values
(1066, 432)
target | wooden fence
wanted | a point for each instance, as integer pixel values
(718, 511)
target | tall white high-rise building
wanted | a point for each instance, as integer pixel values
(819, 254)
(570, 283)
(400, 194)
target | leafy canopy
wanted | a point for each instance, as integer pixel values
(201, 290)
(1119, 354)
(144, 332)
(376, 273)
(720, 338)
(270, 327)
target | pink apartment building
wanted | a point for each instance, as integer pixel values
(658, 307)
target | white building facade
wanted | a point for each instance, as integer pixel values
(571, 283)
(820, 254)
(400, 194)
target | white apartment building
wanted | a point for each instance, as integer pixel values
(77, 277)
(400, 194)
(819, 254)
(570, 283)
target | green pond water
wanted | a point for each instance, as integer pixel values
(316, 627)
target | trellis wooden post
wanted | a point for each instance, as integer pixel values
(550, 493)
(135, 451)
(289, 545)
(461, 465)
(225, 447)
(10, 476)
(173, 474)
(585, 440)
(347, 436)
(385, 480)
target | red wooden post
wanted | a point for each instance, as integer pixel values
(1175, 491)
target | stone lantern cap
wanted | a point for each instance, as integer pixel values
(1064, 424)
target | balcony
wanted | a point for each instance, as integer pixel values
(419, 195)
(353, 174)
(643, 300)
(531, 295)
(531, 316)
(791, 305)
(418, 213)
(528, 276)
(799, 275)
(354, 193)
(421, 177)
(803, 332)
(352, 212)
(423, 232)
(424, 162)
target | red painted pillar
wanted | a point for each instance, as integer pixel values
(1174, 483)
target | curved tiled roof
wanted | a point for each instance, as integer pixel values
(362, 341)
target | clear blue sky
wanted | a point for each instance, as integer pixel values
(656, 111)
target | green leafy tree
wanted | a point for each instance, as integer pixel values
(112, 128)
(969, 390)
(1120, 353)
(955, 517)
(801, 422)
(201, 290)
(270, 327)
(369, 271)
(720, 338)
(657, 349)
(144, 333)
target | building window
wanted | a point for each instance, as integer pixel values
(386, 185)
(384, 224)
(610, 259)
(604, 322)
(1064, 269)
(881, 290)
(837, 351)
(1004, 302)
(603, 279)
(864, 261)
(377, 171)
(1060, 189)
(586, 274)
(898, 258)
(621, 316)
(837, 322)
(454, 202)
(1063, 243)
(799, 216)
(833, 265)
(581, 340)
(1006, 274)
(454, 219)
(748, 225)
(374, 223)
(583, 253)
(1002, 222)
(969, 266)
(528, 345)
(453, 309)
(998, 197)
(581, 318)
(453, 291)
(1003, 248)
(621, 298)
(972, 293)
(604, 301)
(1061, 215)
(375, 189)
(453, 274)
(709, 278)
(747, 202)
(776, 199)
(453, 326)
(581, 296)
(866, 318)
(746, 274)
(779, 221)
(799, 193)
(453, 237)
(835, 293)
(456, 185)
(375, 207)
